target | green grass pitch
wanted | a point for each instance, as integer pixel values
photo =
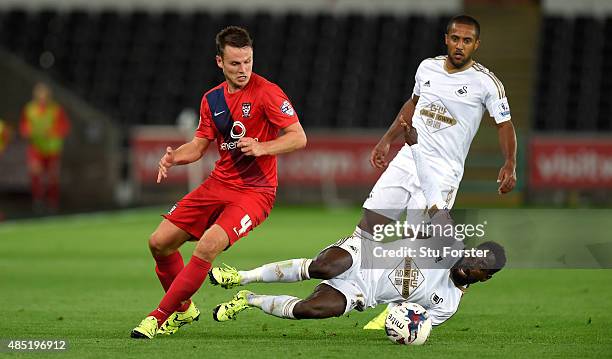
(89, 279)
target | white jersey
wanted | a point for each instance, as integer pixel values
(430, 287)
(423, 281)
(448, 114)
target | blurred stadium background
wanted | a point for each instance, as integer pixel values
(131, 74)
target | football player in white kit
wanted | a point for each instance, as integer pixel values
(352, 280)
(449, 98)
(450, 95)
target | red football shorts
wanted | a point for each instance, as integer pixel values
(236, 211)
(39, 163)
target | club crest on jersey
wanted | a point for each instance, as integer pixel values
(287, 109)
(246, 109)
(436, 299)
(462, 92)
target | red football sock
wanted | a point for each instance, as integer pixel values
(186, 283)
(167, 268)
(38, 192)
(53, 192)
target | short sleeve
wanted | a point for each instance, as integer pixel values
(278, 108)
(495, 99)
(205, 127)
(416, 91)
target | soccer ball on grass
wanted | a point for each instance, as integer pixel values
(408, 323)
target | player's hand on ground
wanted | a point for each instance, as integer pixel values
(165, 163)
(410, 133)
(506, 178)
(251, 147)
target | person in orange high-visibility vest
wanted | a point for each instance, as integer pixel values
(45, 125)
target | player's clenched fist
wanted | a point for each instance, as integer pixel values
(380, 151)
(506, 178)
(165, 163)
(252, 147)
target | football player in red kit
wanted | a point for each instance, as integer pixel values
(244, 114)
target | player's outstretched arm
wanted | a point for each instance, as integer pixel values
(507, 142)
(380, 151)
(186, 153)
(293, 138)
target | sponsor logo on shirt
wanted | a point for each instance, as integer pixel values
(427, 84)
(238, 130)
(246, 109)
(406, 277)
(226, 146)
(287, 109)
(437, 117)
(236, 133)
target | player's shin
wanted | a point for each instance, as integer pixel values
(277, 305)
(167, 268)
(186, 283)
(292, 270)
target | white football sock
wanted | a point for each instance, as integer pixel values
(292, 270)
(277, 305)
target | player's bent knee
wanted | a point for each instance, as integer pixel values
(213, 242)
(330, 263)
(157, 245)
(206, 250)
(321, 270)
(308, 310)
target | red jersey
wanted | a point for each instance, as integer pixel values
(259, 110)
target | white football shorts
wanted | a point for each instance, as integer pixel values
(398, 189)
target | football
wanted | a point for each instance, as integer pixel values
(408, 324)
